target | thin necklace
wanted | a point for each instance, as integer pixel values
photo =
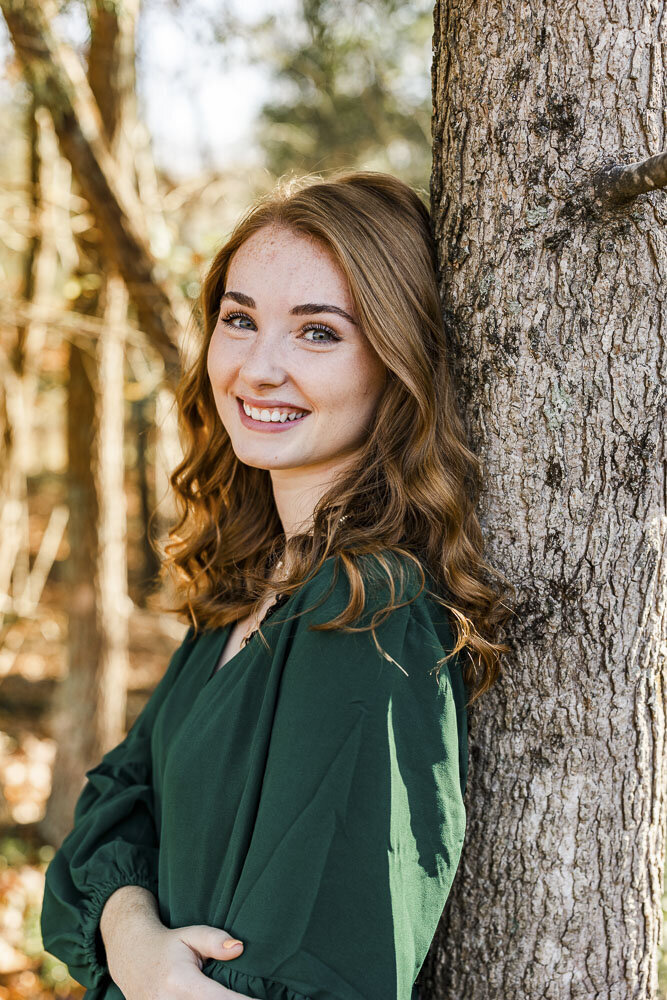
(267, 614)
(278, 600)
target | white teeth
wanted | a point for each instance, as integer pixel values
(272, 416)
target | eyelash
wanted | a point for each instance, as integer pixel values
(311, 326)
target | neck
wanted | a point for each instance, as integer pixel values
(296, 492)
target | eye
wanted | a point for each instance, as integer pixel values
(332, 337)
(321, 328)
(235, 315)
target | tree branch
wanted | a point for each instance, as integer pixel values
(619, 184)
(59, 82)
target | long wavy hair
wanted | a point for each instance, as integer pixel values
(414, 487)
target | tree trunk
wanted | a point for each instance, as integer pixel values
(112, 595)
(111, 74)
(168, 454)
(556, 325)
(143, 423)
(78, 710)
(91, 702)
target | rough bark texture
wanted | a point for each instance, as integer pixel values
(556, 318)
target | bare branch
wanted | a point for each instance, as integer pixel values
(73, 325)
(59, 82)
(619, 184)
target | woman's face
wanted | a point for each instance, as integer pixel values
(286, 342)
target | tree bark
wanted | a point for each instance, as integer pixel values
(59, 82)
(556, 320)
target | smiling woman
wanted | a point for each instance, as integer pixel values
(305, 796)
(318, 384)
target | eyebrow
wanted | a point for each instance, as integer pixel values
(307, 309)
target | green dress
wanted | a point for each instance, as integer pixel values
(308, 799)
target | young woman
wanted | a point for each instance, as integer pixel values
(295, 783)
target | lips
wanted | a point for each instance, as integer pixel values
(272, 404)
(268, 426)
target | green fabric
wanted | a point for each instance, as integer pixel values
(307, 798)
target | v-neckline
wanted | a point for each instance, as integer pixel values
(225, 630)
(218, 649)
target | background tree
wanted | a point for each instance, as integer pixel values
(90, 713)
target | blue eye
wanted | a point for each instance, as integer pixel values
(235, 315)
(317, 327)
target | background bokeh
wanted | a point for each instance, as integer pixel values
(229, 97)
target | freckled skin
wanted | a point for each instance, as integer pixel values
(270, 353)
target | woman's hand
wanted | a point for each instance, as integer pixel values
(149, 961)
(174, 970)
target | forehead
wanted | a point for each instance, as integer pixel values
(295, 266)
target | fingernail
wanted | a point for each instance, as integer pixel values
(229, 943)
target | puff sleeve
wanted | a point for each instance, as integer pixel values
(361, 819)
(113, 843)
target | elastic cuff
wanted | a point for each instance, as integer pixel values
(93, 945)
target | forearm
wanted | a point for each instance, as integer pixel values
(145, 958)
(127, 912)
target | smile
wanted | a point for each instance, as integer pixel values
(269, 426)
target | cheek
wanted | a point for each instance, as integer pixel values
(217, 360)
(356, 387)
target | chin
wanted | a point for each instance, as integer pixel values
(259, 462)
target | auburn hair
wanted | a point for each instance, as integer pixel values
(414, 487)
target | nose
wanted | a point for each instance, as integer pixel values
(262, 362)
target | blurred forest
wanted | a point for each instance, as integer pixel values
(101, 261)
(90, 344)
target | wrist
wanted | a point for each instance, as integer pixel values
(129, 912)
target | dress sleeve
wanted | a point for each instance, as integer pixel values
(113, 843)
(361, 819)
